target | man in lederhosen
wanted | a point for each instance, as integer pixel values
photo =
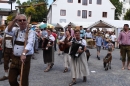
(21, 54)
(8, 45)
(48, 54)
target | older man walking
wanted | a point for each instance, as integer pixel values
(21, 54)
(124, 40)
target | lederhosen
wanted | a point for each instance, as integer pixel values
(15, 67)
(48, 55)
(7, 52)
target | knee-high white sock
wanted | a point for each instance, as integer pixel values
(6, 74)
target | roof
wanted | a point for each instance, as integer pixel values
(7, 13)
(101, 24)
(109, 24)
(60, 25)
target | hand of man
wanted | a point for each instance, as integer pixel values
(23, 58)
(48, 45)
(80, 51)
(62, 42)
(69, 43)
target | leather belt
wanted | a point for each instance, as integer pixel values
(125, 45)
(19, 43)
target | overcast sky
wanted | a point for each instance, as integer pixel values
(6, 5)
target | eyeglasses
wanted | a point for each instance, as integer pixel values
(20, 20)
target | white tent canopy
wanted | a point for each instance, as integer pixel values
(101, 24)
(117, 23)
(84, 24)
(60, 25)
(109, 24)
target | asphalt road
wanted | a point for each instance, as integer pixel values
(114, 77)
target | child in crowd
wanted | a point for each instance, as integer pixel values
(110, 46)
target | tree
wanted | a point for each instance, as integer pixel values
(11, 17)
(40, 11)
(30, 11)
(118, 10)
(127, 15)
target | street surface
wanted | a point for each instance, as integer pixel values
(113, 77)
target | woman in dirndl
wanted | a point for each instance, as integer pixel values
(79, 66)
(48, 54)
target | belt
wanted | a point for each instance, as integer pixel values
(19, 43)
(88, 38)
(20, 56)
(125, 45)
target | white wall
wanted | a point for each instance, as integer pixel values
(3, 19)
(126, 5)
(72, 8)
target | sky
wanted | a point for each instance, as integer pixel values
(6, 5)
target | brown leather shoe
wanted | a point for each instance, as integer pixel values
(72, 83)
(84, 79)
(66, 70)
(52, 64)
(3, 78)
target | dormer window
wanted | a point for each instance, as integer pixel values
(99, 2)
(84, 2)
(70, 1)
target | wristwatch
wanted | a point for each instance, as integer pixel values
(24, 54)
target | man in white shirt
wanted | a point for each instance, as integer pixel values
(88, 37)
(88, 34)
(71, 30)
(7, 46)
(21, 53)
(113, 38)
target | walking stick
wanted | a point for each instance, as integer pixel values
(26, 38)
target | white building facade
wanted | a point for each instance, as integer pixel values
(64, 11)
(126, 6)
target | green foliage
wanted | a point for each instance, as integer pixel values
(127, 15)
(30, 11)
(10, 17)
(118, 6)
(37, 12)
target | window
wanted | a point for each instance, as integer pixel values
(104, 14)
(84, 13)
(70, 1)
(90, 14)
(79, 1)
(84, 2)
(90, 1)
(79, 13)
(99, 1)
(62, 20)
(63, 12)
(123, 10)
